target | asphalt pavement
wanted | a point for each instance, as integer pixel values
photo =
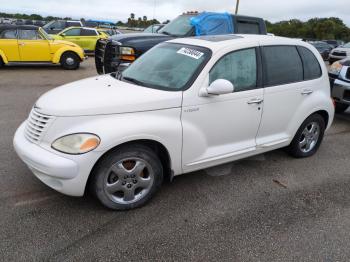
(269, 207)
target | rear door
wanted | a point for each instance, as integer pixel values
(283, 93)
(88, 39)
(9, 44)
(32, 46)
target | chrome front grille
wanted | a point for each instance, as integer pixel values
(37, 124)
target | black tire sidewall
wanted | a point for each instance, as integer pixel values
(71, 55)
(100, 172)
(294, 149)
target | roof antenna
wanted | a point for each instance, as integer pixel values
(154, 8)
(237, 6)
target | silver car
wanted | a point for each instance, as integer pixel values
(339, 74)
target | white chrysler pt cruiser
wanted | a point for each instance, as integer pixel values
(185, 105)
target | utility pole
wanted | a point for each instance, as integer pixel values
(237, 6)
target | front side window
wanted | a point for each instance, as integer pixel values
(282, 65)
(239, 67)
(73, 32)
(312, 69)
(55, 25)
(168, 66)
(29, 35)
(8, 34)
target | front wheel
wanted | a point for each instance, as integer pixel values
(1, 62)
(127, 177)
(340, 108)
(308, 138)
(70, 61)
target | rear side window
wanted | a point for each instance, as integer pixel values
(8, 34)
(88, 32)
(244, 27)
(312, 69)
(282, 65)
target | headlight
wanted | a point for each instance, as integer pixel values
(127, 53)
(76, 143)
(336, 68)
(127, 50)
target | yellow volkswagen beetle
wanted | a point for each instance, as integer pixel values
(31, 44)
(85, 37)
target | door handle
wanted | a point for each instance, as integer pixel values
(255, 101)
(307, 92)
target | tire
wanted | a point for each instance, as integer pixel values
(307, 141)
(340, 108)
(70, 61)
(127, 178)
(1, 62)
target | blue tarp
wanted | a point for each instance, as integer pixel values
(209, 23)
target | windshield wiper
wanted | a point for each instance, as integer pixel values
(133, 80)
(166, 33)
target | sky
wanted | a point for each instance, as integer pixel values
(115, 10)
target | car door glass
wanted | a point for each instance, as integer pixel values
(8, 34)
(239, 67)
(29, 35)
(73, 32)
(282, 65)
(88, 32)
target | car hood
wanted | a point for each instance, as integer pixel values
(137, 37)
(104, 95)
(341, 49)
(62, 42)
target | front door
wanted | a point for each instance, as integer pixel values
(219, 129)
(32, 47)
(9, 45)
(73, 35)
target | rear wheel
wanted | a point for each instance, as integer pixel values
(70, 61)
(308, 138)
(127, 177)
(340, 108)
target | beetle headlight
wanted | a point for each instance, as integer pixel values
(76, 143)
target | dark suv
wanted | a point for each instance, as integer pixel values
(115, 53)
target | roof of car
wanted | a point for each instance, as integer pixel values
(25, 27)
(216, 43)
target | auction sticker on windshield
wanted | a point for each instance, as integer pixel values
(190, 52)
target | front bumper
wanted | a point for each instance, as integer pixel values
(58, 172)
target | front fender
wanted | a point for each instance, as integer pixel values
(3, 56)
(77, 50)
(162, 126)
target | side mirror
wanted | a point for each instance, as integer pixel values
(63, 34)
(218, 87)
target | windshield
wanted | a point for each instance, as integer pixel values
(347, 45)
(167, 66)
(181, 26)
(46, 35)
